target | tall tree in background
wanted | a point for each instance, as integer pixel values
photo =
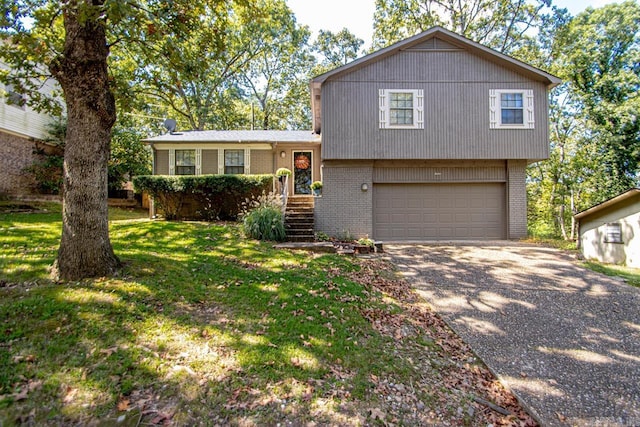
(337, 49)
(202, 78)
(501, 24)
(274, 76)
(595, 137)
(600, 57)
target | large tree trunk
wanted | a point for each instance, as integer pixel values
(85, 248)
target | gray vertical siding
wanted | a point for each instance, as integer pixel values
(439, 173)
(161, 162)
(209, 162)
(261, 162)
(456, 88)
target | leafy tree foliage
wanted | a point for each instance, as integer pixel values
(233, 53)
(595, 135)
(129, 155)
(337, 49)
(276, 78)
(501, 24)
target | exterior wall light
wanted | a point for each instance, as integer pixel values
(283, 154)
(364, 187)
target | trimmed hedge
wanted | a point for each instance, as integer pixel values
(202, 197)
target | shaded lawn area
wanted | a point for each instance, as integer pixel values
(629, 274)
(203, 326)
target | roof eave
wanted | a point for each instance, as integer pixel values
(532, 72)
(608, 203)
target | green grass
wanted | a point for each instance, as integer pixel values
(558, 243)
(204, 326)
(199, 318)
(629, 274)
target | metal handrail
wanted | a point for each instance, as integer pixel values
(284, 192)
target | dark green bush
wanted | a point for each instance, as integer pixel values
(207, 197)
(262, 219)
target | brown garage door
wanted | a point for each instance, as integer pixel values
(404, 212)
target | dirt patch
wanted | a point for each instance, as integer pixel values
(19, 208)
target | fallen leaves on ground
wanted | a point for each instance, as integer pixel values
(451, 372)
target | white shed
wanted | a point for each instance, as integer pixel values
(610, 231)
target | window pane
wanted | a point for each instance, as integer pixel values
(613, 233)
(401, 100)
(234, 161)
(511, 100)
(186, 158)
(235, 170)
(512, 117)
(185, 170)
(401, 108)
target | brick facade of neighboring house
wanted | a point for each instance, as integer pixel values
(21, 130)
(16, 153)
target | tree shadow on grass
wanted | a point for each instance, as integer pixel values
(200, 327)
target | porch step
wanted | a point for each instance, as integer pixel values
(298, 219)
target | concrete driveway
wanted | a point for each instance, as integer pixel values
(564, 339)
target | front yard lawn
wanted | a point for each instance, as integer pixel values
(205, 327)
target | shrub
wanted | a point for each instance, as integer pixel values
(47, 172)
(206, 197)
(283, 172)
(316, 185)
(262, 218)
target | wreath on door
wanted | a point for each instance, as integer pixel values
(302, 162)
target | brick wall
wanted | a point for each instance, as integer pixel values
(344, 207)
(16, 153)
(517, 198)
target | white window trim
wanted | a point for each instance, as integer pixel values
(221, 161)
(383, 108)
(172, 160)
(247, 161)
(495, 110)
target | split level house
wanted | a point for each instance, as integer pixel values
(427, 139)
(22, 130)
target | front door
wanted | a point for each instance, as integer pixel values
(302, 172)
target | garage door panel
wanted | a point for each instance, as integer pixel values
(439, 211)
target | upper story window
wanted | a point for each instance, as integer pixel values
(185, 162)
(613, 233)
(511, 109)
(233, 161)
(15, 99)
(401, 108)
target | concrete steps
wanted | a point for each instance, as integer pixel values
(298, 219)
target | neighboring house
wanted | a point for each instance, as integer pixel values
(610, 231)
(240, 152)
(21, 130)
(427, 139)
